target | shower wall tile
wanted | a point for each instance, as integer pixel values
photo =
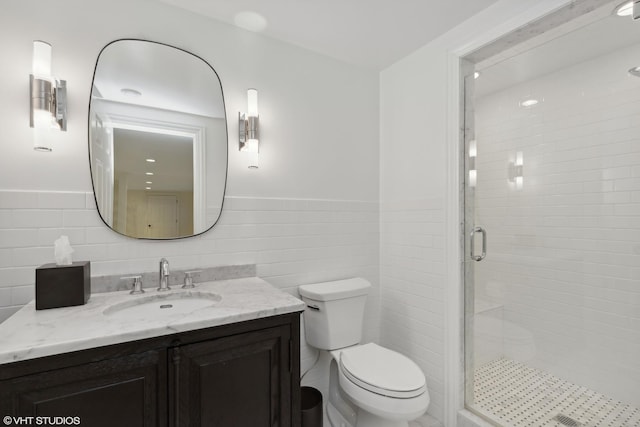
(412, 269)
(564, 249)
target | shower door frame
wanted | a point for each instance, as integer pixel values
(494, 26)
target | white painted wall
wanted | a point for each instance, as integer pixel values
(565, 249)
(318, 116)
(308, 214)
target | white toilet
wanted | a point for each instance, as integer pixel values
(369, 385)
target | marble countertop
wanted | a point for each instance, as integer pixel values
(32, 333)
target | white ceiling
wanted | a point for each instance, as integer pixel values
(173, 155)
(369, 33)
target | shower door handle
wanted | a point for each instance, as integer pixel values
(484, 244)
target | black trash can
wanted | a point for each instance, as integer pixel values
(311, 403)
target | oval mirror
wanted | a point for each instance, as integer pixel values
(157, 140)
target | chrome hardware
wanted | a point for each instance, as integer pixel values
(137, 284)
(164, 275)
(484, 244)
(188, 279)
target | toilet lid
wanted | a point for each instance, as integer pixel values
(382, 371)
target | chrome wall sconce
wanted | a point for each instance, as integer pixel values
(48, 96)
(473, 172)
(516, 174)
(250, 127)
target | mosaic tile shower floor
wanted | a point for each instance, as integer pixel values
(516, 395)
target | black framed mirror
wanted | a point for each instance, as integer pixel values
(157, 140)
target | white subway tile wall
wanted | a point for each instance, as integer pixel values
(564, 251)
(413, 273)
(291, 241)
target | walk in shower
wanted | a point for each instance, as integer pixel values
(552, 225)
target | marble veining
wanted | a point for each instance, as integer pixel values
(32, 333)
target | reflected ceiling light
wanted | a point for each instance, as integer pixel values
(250, 21)
(624, 9)
(149, 173)
(529, 103)
(476, 74)
(635, 71)
(48, 97)
(147, 188)
(151, 160)
(130, 92)
(149, 182)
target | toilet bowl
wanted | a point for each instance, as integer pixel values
(369, 385)
(382, 382)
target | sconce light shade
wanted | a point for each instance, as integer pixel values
(41, 65)
(249, 124)
(252, 102)
(48, 97)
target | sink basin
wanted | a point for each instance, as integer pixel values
(163, 305)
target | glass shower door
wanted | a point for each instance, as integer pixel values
(552, 232)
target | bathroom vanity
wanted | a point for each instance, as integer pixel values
(229, 358)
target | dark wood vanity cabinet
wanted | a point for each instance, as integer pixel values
(243, 374)
(123, 391)
(241, 380)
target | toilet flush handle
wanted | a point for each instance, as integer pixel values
(313, 307)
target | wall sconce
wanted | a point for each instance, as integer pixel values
(48, 97)
(516, 174)
(249, 128)
(473, 153)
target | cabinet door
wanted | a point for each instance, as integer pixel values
(238, 381)
(126, 391)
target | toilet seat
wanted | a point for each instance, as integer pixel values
(382, 371)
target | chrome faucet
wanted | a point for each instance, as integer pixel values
(164, 275)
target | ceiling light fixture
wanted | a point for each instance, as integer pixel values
(130, 92)
(250, 21)
(149, 173)
(529, 103)
(151, 160)
(624, 9)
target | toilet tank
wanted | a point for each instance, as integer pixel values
(334, 313)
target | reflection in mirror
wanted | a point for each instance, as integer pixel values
(157, 140)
